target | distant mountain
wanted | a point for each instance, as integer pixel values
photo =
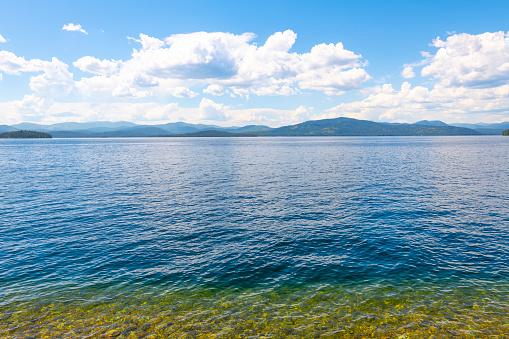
(101, 129)
(97, 126)
(490, 129)
(183, 128)
(72, 134)
(215, 133)
(5, 129)
(144, 130)
(354, 127)
(28, 126)
(250, 129)
(430, 123)
(422, 122)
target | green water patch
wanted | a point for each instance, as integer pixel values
(461, 309)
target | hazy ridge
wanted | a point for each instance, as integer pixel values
(326, 127)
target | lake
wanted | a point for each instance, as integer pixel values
(343, 237)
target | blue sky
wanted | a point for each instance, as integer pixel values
(263, 62)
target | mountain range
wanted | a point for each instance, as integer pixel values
(326, 127)
(122, 129)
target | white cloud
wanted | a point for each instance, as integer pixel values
(408, 72)
(182, 92)
(33, 107)
(274, 90)
(471, 81)
(95, 66)
(148, 42)
(10, 113)
(55, 81)
(12, 64)
(269, 116)
(328, 68)
(73, 27)
(450, 104)
(2, 39)
(241, 92)
(214, 89)
(471, 60)
(211, 110)
(126, 91)
(333, 81)
(152, 113)
(218, 62)
(330, 56)
(55, 112)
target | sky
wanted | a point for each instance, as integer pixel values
(234, 63)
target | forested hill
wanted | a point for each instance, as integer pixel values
(24, 135)
(354, 127)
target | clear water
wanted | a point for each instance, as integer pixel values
(255, 237)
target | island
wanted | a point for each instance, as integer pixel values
(24, 135)
(506, 132)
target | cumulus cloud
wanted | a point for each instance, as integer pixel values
(214, 89)
(12, 64)
(470, 78)
(336, 82)
(418, 103)
(275, 90)
(54, 81)
(269, 116)
(182, 92)
(408, 72)
(211, 110)
(95, 66)
(74, 28)
(148, 42)
(221, 62)
(471, 60)
(2, 39)
(328, 68)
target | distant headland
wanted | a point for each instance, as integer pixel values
(326, 127)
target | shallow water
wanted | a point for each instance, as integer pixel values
(276, 237)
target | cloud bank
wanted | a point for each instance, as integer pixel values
(470, 77)
(466, 78)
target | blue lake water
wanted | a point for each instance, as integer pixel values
(275, 237)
